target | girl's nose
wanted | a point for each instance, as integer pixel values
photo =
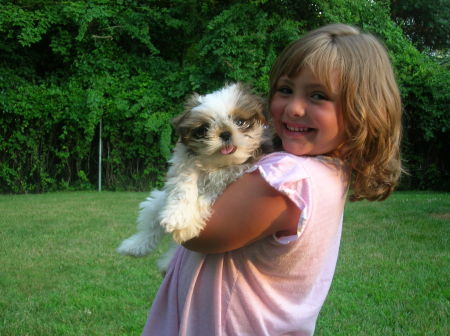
(296, 107)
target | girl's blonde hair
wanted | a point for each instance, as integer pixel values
(371, 105)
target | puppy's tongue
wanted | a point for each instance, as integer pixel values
(228, 149)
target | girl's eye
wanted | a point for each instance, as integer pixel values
(242, 123)
(319, 96)
(200, 132)
(284, 90)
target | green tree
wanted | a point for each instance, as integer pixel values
(426, 23)
(66, 65)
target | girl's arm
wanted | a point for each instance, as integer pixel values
(248, 210)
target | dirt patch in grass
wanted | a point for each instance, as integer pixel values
(445, 216)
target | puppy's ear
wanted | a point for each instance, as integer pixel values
(178, 123)
(253, 103)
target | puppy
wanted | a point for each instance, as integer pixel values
(220, 137)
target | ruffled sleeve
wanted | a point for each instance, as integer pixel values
(287, 174)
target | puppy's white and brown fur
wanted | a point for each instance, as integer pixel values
(221, 134)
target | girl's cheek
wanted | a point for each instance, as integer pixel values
(275, 109)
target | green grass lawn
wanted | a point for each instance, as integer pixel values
(60, 275)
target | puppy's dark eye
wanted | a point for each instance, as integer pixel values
(242, 123)
(200, 132)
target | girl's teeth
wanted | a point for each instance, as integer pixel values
(297, 129)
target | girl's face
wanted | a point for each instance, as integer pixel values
(306, 116)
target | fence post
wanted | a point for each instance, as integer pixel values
(100, 157)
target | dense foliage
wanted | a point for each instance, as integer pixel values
(66, 66)
(424, 22)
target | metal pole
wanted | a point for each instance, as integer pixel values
(100, 157)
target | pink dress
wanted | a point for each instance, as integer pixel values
(275, 286)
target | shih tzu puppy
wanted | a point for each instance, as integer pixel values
(220, 137)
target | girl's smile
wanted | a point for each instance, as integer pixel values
(306, 116)
(297, 129)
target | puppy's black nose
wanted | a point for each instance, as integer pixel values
(225, 136)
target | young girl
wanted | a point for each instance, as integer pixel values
(264, 263)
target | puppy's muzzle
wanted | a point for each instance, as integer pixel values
(228, 147)
(225, 136)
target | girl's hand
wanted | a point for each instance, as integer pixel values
(248, 210)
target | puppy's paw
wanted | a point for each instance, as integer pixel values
(135, 246)
(181, 218)
(173, 223)
(183, 235)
